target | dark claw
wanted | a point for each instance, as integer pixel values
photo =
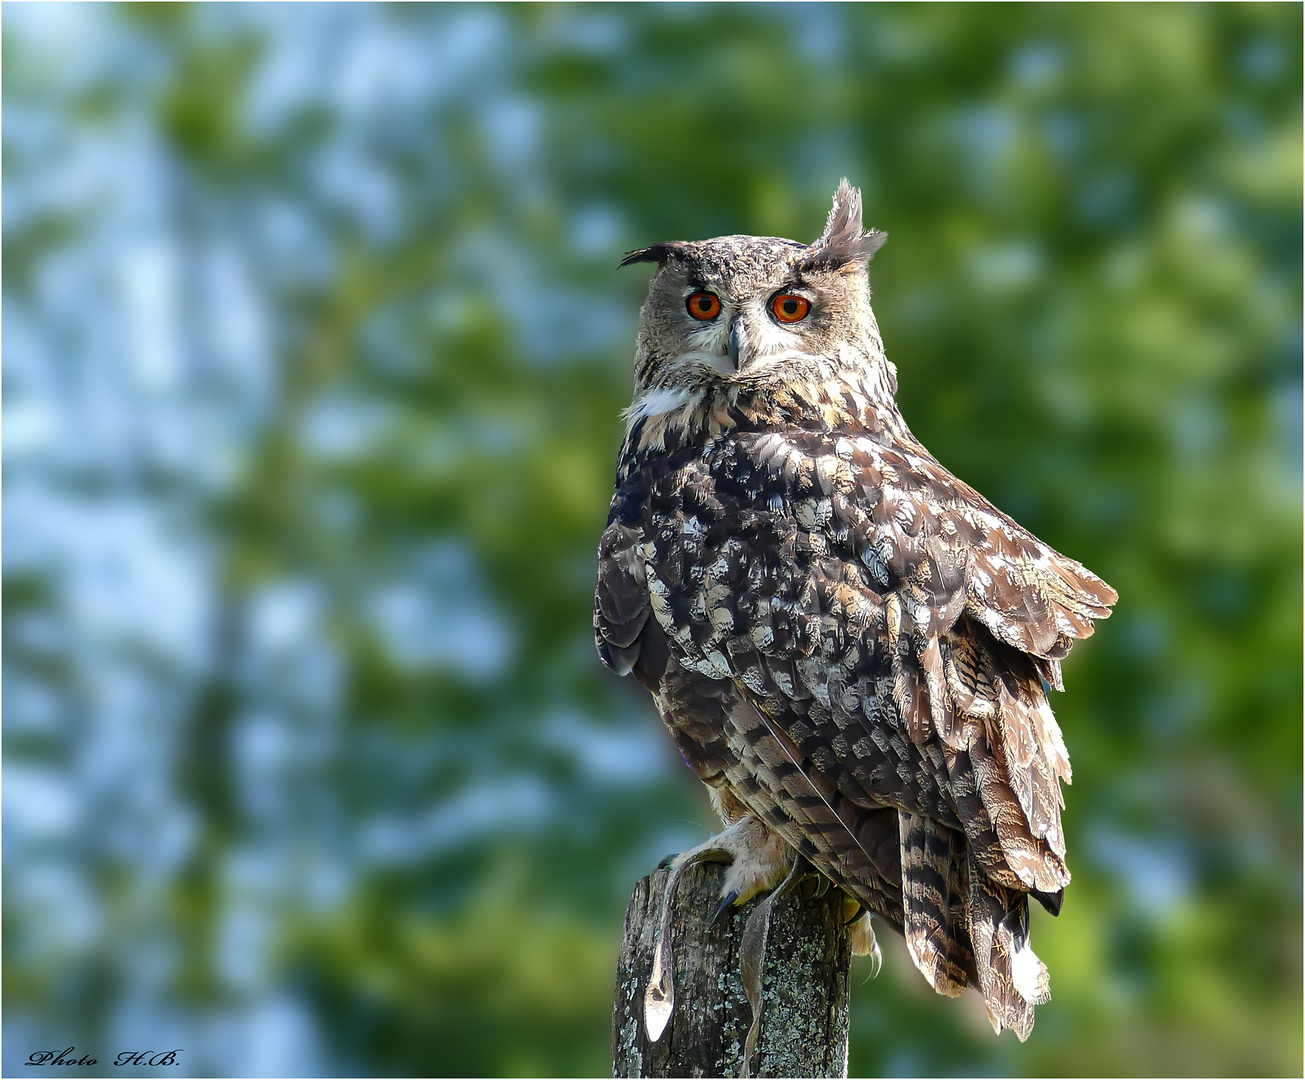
(814, 886)
(666, 862)
(725, 905)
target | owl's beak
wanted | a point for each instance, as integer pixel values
(734, 341)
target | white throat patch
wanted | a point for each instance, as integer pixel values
(657, 401)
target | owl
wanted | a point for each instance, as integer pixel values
(852, 648)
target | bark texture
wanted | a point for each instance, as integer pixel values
(804, 985)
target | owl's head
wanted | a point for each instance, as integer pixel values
(746, 310)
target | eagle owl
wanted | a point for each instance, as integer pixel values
(850, 646)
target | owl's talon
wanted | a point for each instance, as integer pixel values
(758, 859)
(814, 886)
(665, 864)
(727, 902)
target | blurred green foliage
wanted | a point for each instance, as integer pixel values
(314, 351)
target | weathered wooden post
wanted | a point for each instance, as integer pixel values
(804, 984)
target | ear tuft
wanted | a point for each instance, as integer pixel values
(657, 253)
(845, 239)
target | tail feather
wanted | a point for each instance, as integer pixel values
(1012, 978)
(935, 889)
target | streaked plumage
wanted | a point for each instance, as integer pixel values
(844, 640)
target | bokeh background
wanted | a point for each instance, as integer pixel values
(314, 345)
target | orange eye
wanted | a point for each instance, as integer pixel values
(703, 305)
(789, 307)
